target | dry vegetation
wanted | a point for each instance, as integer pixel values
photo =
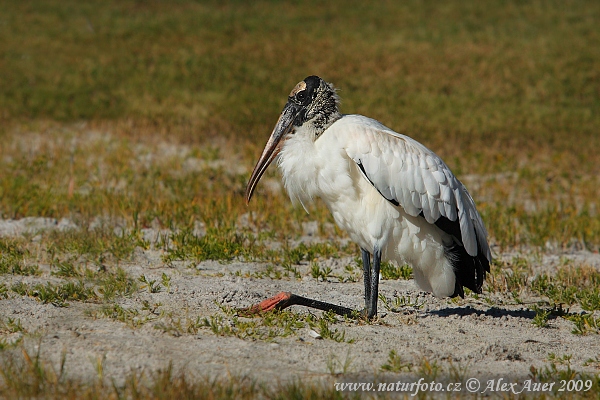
(126, 116)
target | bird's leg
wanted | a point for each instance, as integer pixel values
(366, 259)
(287, 299)
(373, 293)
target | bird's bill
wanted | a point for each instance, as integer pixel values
(273, 146)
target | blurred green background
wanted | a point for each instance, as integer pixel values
(504, 87)
(225, 67)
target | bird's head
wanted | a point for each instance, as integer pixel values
(311, 108)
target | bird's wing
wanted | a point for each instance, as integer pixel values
(413, 177)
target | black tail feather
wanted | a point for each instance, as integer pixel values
(470, 271)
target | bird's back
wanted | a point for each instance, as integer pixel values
(393, 191)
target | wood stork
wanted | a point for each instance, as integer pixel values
(393, 196)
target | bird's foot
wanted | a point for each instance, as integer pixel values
(364, 315)
(277, 302)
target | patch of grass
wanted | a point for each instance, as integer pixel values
(3, 290)
(106, 284)
(396, 364)
(571, 285)
(350, 274)
(541, 317)
(177, 326)
(271, 325)
(129, 316)
(428, 369)
(270, 271)
(391, 271)
(58, 295)
(584, 323)
(268, 327)
(20, 288)
(13, 258)
(115, 284)
(11, 325)
(151, 285)
(322, 326)
(509, 276)
(559, 369)
(98, 245)
(336, 367)
(318, 272)
(400, 304)
(216, 244)
(65, 269)
(453, 78)
(30, 376)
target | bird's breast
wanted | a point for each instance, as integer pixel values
(322, 169)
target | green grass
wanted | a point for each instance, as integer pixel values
(27, 375)
(571, 292)
(504, 94)
(271, 325)
(123, 116)
(391, 271)
(396, 364)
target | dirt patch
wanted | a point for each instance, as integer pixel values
(485, 337)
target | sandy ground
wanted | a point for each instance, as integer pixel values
(482, 339)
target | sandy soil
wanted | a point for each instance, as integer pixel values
(488, 340)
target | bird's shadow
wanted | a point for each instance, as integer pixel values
(494, 312)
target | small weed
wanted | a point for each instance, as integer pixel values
(151, 285)
(113, 284)
(12, 258)
(178, 326)
(541, 317)
(11, 325)
(3, 291)
(594, 362)
(223, 243)
(321, 325)
(65, 269)
(318, 272)
(269, 272)
(350, 274)
(166, 281)
(58, 295)
(337, 367)
(268, 327)
(457, 373)
(20, 288)
(291, 269)
(584, 323)
(509, 276)
(129, 316)
(396, 364)
(564, 360)
(428, 370)
(95, 245)
(400, 303)
(552, 373)
(391, 271)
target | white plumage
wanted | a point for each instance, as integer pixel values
(398, 168)
(396, 198)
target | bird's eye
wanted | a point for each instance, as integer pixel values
(301, 95)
